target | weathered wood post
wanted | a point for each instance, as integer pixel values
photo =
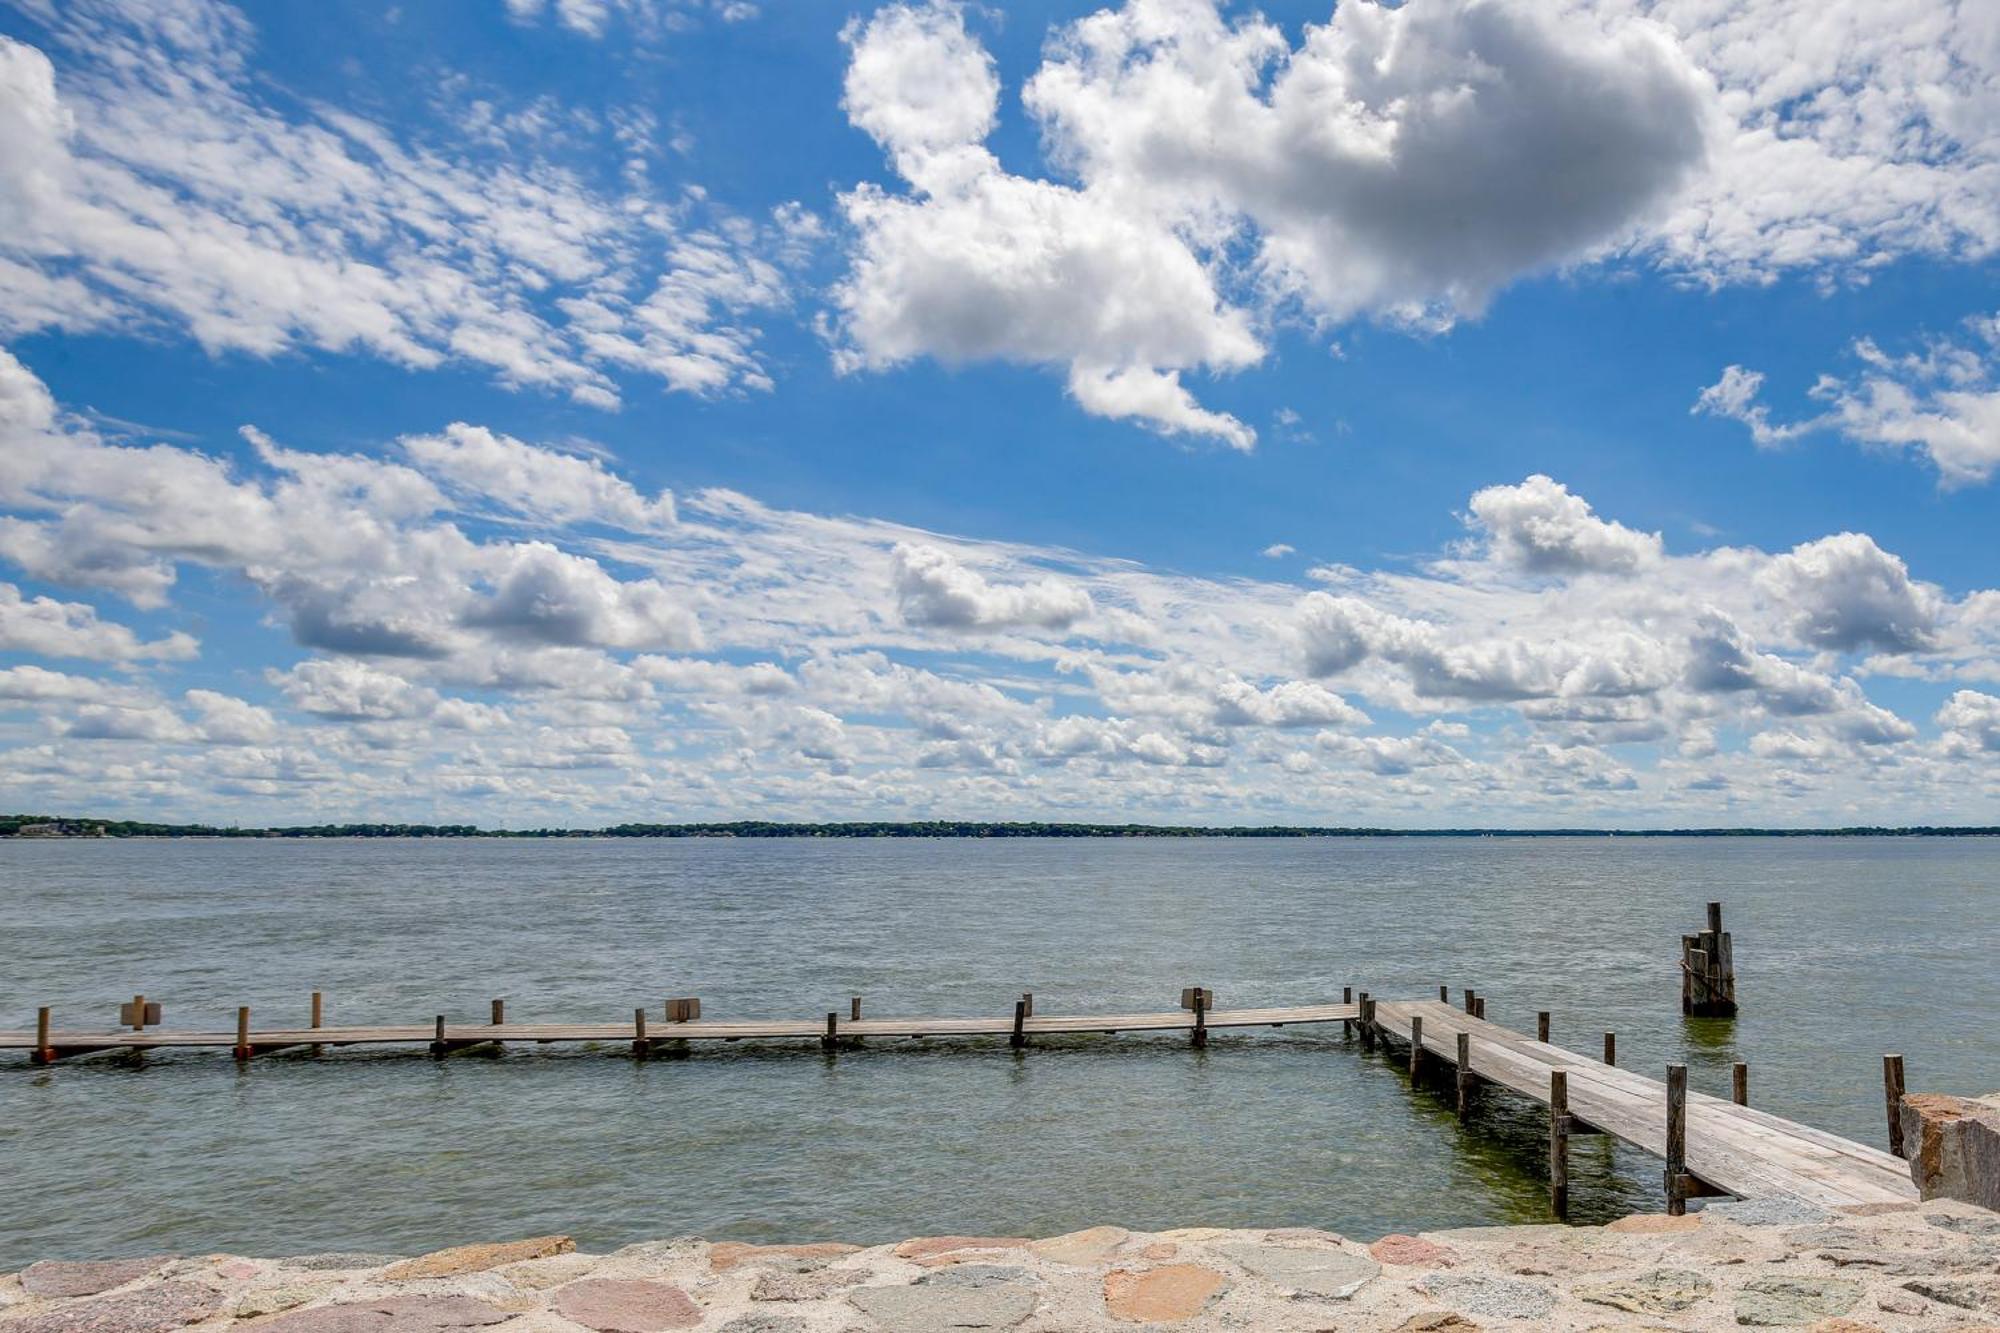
(1611, 1048)
(43, 1054)
(1200, 1017)
(1479, 1009)
(1559, 1142)
(1347, 1024)
(832, 1038)
(854, 1009)
(1708, 970)
(641, 1048)
(1367, 1022)
(1028, 1001)
(242, 1050)
(1676, 1173)
(138, 1013)
(437, 1041)
(1471, 1001)
(1542, 1025)
(1019, 1037)
(1739, 1083)
(1464, 1075)
(1416, 1045)
(1892, 1096)
(1444, 995)
(499, 1013)
(318, 1014)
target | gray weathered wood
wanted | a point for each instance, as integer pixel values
(1464, 1074)
(1541, 1025)
(1610, 1048)
(1019, 1037)
(1739, 1083)
(1676, 1173)
(1892, 1096)
(1559, 1141)
(1416, 1045)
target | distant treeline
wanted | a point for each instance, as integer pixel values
(67, 826)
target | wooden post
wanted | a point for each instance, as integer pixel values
(832, 1037)
(318, 1009)
(1367, 1022)
(1559, 1142)
(1542, 1025)
(1677, 1182)
(437, 1043)
(854, 1008)
(1347, 1024)
(1739, 1083)
(1200, 1017)
(1019, 1037)
(1028, 999)
(1471, 1001)
(1464, 1075)
(499, 1013)
(138, 1013)
(1708, 970)
(1479, 1009)
(1444, 994)
(1611, 1048)
(1892, 1096)
(1715, 919)
(640, 1046)
(1416, 1045)
(242, 1051)
(43, 1053)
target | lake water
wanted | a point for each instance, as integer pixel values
(1845, 948)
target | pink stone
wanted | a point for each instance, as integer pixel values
(928, 1247)
(64, 1277)
(1411, 1252)
(615, 1305)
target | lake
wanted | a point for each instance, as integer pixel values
(1845, 948)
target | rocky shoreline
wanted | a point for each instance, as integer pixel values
(1767, 1264)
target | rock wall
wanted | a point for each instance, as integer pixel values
(1953, 1144)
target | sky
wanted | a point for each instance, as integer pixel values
(565, 412)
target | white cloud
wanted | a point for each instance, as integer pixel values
(150, 178)
(1540, 527)
(1971, 722)
(539, 483)
(1278, 551)
(49, 628)
(933, 588)
(1848, 593)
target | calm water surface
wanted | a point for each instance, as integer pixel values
(1846, 948)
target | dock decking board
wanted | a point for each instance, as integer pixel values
(1732, 1149)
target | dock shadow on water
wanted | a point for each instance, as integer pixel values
(769, 1141)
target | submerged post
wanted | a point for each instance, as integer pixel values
(1892, 1096)
(640, 1046)
(1020, 1034)
(1676, 1174)
(1559, 1142)
(1416, 1045)
(1708, 971)
(242, 1051)
(1611, 1048)
(1542, 1025)
(1739, 1083)
(1464, 1075)
(43, 1053)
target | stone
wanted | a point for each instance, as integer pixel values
(239, 1270)
(59, 1278)
(1842, 1326)
(1324, 1271)
(979, 1275)
(1161, 1295)
(939, 1251)
(393, 1314)
(1493, 1297)
(339, 1262)
(1971, 1224)
(272, 1299)
(1878, 1209)
(1779, 1301)
(626, 1305)
(776, 1285)
(1965, 1293)
(931, 1307)
(155, 1309)
(1653, 1224)
(728, 1254)
(1954, 1146)
(462, 1259)
(1412, 1252)
(1437, 1321)
(1660, 1291)
(762, 1322)
(1082, 1249)
(1777, 1210)
(1555, 1261)
(1901, 1302)
(1160, 1249)
(1296, 1234)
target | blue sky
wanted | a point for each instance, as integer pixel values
(665, 409)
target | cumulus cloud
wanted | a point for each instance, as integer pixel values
(49, 628)
(1540, 527)
(1845, 593)
(933, 588)
(539, 483)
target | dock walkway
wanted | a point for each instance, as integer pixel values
(1730, 1149)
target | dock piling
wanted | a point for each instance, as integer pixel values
(1464, 1075)
(499, 1013)
(1559, 1142)
(318, 1009)
(854, 1008)
(1416, 1045)
(641, 1048)
(1019, 1037)
(832, 1038)
(1444, 995)
(1347, 1024)
(1542, 1025)
(1676, 1173)
(1739, 1083)
(1471, 1002)
(1200, 1036)
(242, 1050)
(43, 1054)
(1708, 970)
(1028, 999)
(1892, 1097)
(437, 1042)
(1366, 1021)
(1611, 1048)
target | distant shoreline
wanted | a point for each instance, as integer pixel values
(54, 827)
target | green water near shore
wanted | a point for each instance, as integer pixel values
(1847, 948)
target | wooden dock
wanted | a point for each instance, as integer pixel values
(646, 1034)
(1723, 1147)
